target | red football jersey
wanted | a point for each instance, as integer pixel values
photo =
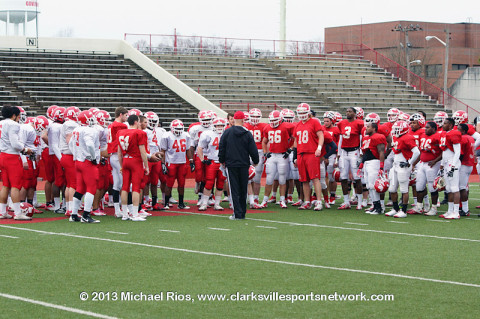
(449, 138)
(279, 137)
(372, 141)
(257, 132)
(350, 132)
(467, 150)
(403, 144)
(429, 147)
(129, 140)
(334, 133)
(113, 130)
(306, 136)
(385, 128)
(416, 135)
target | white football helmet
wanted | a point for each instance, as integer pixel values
(176, 127)
(255, 116)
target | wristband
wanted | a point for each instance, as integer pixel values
(319, 148)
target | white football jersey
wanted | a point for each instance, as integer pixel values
(102, 136)
(54, 130)
(85, 144)
(154, 138)
(195, 133)
(9, 139)
(209, 142)
(28, 137)
(67, 128)
(175, 147)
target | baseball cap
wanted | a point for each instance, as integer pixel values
(239, 115)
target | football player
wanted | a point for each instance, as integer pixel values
(103, 121)
(467, 161)
(329, 121)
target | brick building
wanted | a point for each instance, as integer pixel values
(464, 45)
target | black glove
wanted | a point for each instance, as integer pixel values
(164, 169)
(192, 166)
(404, 164)
(295, 154)
(103, 161)
(268, 155)
(207, 162)
(94, 162)
(287, 153)
(451, 171)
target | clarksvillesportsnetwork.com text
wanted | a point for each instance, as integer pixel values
(233, 297)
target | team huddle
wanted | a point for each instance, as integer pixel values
(92, 160)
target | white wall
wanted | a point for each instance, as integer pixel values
(117, 47)
(467, 89)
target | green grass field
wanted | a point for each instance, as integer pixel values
(428, 266)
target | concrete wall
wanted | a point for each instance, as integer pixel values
(467, 89)
(122, 48)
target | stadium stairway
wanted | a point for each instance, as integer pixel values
(326, 84)
(87, 80)
(232, 80)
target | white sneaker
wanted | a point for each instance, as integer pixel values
(432, 211)
(400, 214)
(327, 205)
(22, 217)
(391, 213)
(452, 216)
(202, 207)
(119, 215)
(137, 219)
(126, 217)
(225, 199)
(211, 202)
(218, 207)
(142, 215)
(6, 216)
(173, 201)
(318, 205)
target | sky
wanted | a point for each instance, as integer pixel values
(258, 19)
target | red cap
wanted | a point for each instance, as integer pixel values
(239, 115)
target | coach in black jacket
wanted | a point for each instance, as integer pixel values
(235, 150)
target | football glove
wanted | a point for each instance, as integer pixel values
(207, 162)
(192, 166)
(404, 164)
(287, 153)
(164, 169)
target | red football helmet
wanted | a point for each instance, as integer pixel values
(87, 118)
(460, 117)
(26, 209)
(440, 117)
(303, 110)
(251, 172)
(372, 118)
(23, 115)
(255, 116)
(219, 125)
(205, 118)
(439, 183)
(40, 124)
(71, 113)
(392, 115)
(419, 118)
(338, 116)
(288, 115)
(400, 128)
(152, 120)
(336, 174)
(214, 115)
(136, 112)
(50, 111)
(94, 110)
(29, 120)
(381, 183)
(58, 114)
(176, 127)
(275, 118)
(413, 178)
(403, 117)
(103, 118)
(359, 114)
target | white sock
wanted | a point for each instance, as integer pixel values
(255, 197)
(64, 203)
(217, 200)
(359, 199)
(346, 199)
(70, 205)
(88, 202)
(134, 211)
(456, 208)
(426, 201)
(56, 200)
(35, 198)
(3, 209)
(251, 199)
(130, 208)
(125, 210)
(146, 198)
(116, 206)
(414, 201)
(274, 194)
(265, 199)
(16, 208)
(450, 207)
(76, 205)
(282, 198)
(465, 206)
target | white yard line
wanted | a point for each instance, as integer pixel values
(115, 232)
(282, 262)
(169, 231)
(51, 305)
(6, 236)
(214, 228)
(269, 227)
(359, 224)
(396, 222)
(438, 220)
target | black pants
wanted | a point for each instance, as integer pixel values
(238, 181)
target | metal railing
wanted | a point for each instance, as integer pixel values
(248, 106)
(261, 48)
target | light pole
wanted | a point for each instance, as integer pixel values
(406, 29)
(445, 67)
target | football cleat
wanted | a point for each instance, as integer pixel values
(89, 220)
(464, 214)
(432, 211)
(318, 206)
(75, 218)
(289, 200)
(332, 200)
(22, 217)
(305, 206)
(183, 206)
(173, 201)
(218, 207)
(37, 211)
(391, 213)
(225, 199)
(416, 210)
(327, 205)
(344, 206)
(157, 206)
(452, 216)
(5, 216)
(400, 214)
(298, 203)
(147, 207)
(272, 199)
(59, 211)
(98, 212)
(137, 219)
(202, 207)
(283, 205)
(359, 207)
(260, 206)
(353, 202)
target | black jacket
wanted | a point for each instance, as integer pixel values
(237, 147)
